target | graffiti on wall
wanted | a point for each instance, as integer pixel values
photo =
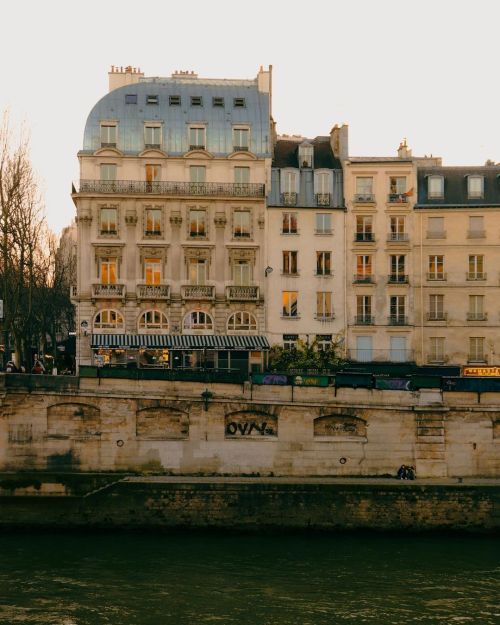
(251, 425)
(340, 426)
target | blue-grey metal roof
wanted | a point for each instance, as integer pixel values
(176, 119)
(455, 187)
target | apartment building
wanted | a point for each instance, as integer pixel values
(171, 216)
(457, 252)
(305, 240)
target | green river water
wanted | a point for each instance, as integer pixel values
(240, 579)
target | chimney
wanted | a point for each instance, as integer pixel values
(120, 76)
(403, 150)
(339, 141)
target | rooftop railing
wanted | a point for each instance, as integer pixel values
(233, 189)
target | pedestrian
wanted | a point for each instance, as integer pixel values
(10, 367)
(37, 368)
(401, 472)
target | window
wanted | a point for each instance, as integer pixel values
(174, 100)
(364, 228)
(398, 351)
(475, 187)
(241, 137)
(289, 188)
(436, 308)
(196, 100)
(476, 308)
(397, 185)
(198, 320)
(153, 175)
(151, 99)
(290, 263)
(108, 171)
(397, 229)
(239, 103)
(397, 310)
(218, 102)
(242, 322)
(108, 320)
(436, 268)
(197, 138)
(290, 341)
(197, 223)
(476, 349)
(131, 98)
(108, 220)
(197, 174)
(289, 223)
(153, 320)
(363, 268)
(476, 227)
(397, 268)
(197, 271)
(289, 300)
(108, 270)
(324, 342)
(241, 224)
(108, 135)
(242, 273)
(435, 187)
(322, 182)
(152, 270)
(306, 152)
(324, 305)
(436, 349)
(476, 267)
(323, 223)
(242, 175)
(323, 263)
(435, 228)
(364, 189)
(364, 310)
(364, 348)
(152, 221)
(152, 136)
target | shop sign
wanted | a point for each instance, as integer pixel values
(310, 380)
(483, 372)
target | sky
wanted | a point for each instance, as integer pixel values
(426, 70)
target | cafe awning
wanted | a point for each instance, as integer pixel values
(183, 341)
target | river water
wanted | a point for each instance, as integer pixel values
(217, 579)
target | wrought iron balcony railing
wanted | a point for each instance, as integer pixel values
(397, 198)
(364, 237)
(476, 275)
(218, 189)
(362, 278)
(240, 148)
(329, 316)
(436, 275)
(398, 236)
(152, 146)
(153, 291)
(242, 293)
(397, 320)
(196, 146)
(437, 316)
(322, 199)
(477, 316)
(364, 197)
(364, 320)
(198, 291)
(108, 291)
(397, 278)
(289, 199)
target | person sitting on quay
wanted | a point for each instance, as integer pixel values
(38, 368)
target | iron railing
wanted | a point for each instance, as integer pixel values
(323, 199)
(397, 236)
(289, 199)
(476, 275)
(364, 237)
(397, 198)
(437, 316)
(361, 278)
(233, 189)
(477, 316)
(436, 275)
(364, 197)
(364, 320)
(397, 278)
(397, 320)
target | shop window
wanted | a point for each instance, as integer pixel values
(242, 322)
(153, 320)
(108, 319)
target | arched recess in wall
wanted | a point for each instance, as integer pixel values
(162, 423)
(338, 426)
(73, 420)
(247, 424)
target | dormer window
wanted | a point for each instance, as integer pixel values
(152, 136)
(306, 151)
(435, 187)
(108, 135)
(131, 98)
(174, 100)
(475, 187)
(218, 102)
(152, 99)
(196, 100)
(239, 103)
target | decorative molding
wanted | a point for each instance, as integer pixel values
(176, 219)
(220, 220)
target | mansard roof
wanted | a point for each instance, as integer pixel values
(286, 154)
(455, 190)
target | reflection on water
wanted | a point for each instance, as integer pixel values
(195, 579)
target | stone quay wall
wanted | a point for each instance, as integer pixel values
(166, 427)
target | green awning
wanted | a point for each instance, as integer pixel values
(183, 341)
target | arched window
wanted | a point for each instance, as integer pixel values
(108, 319)
(153, 320)
(242, 322)
(198, 320)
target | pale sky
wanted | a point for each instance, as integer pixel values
(422, 69)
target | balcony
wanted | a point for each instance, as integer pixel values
(397, 278)
(437, 316)
(397, 320)
(365, 198)
(289, 199)
(398, 237)
(197, 291)
(361, 278)
(240, 148)
(477, 316)
(436, 275)
(364, 237)
(323, 199)
(152, 146)
(137, 187)
(198, 146)
(476, 234)
(153, 291)
(108, 291)
(324, 316)
(397, 198)
(381, 355)
(242, 293)
(323, 273)
(364, 320)
(475, 275)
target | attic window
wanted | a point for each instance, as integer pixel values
(196, 100)
(218, 102)
(131, 98)
(174, 100)
(305, 156)
(239, 103)
(152, 99)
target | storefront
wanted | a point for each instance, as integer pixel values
(245, 354)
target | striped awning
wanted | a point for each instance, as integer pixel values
(184, 341)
